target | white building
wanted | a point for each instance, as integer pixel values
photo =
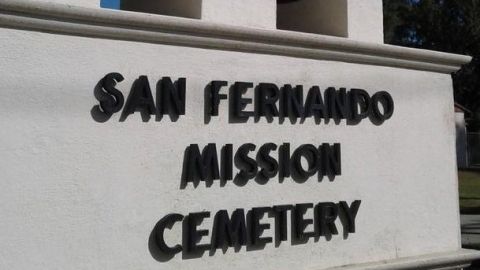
(105, 114)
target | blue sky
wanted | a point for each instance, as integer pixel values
(115, 4)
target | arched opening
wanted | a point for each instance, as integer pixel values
(326, 17)
(179, 8)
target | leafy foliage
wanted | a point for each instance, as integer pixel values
(441, 25)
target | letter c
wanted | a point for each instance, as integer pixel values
(167, 222)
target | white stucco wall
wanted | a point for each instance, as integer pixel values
(250, 13)
(77, 194)
(365, 20)
(80, 3)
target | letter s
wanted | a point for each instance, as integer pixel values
(111, 99)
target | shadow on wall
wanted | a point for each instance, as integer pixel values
(326, 17)
(179, 8)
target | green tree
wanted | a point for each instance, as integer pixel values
(441, 25)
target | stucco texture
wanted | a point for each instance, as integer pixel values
(78, 194)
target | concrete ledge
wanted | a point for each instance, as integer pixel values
(123, 25)
(450, 260)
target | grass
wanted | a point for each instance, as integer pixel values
(469, 189)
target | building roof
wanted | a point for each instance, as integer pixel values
(460, 108)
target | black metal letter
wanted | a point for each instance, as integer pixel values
(310, 153)
(268, 164)
(359, 104)
(112, 101)
(281, 222)
(291, 102)
(387, 103)
(268, 95)
(167, 222)
(215, 97)
(230, 231)
(331, 159)
(314, 105)
(257, 228)
(194, 236)
(337, 103)
(300, 223)
(198, 166)
(350, 213)
(248, 166)
(140, 98)
(226, 170)
(239, 103)
(171, 96)
(325, 216)
(284, 160)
